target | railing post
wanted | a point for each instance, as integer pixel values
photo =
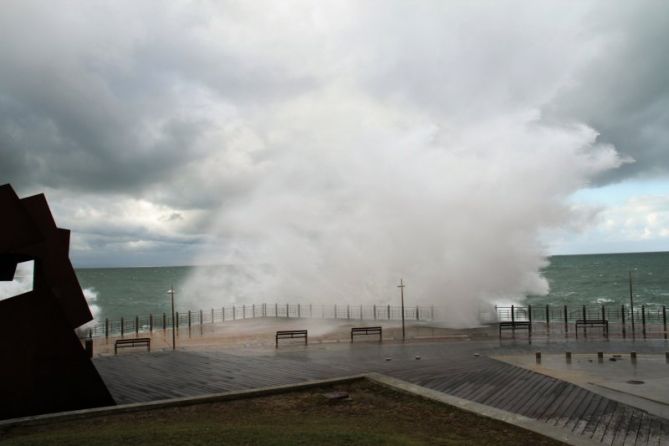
(566, 322)
(253, 310)
(223, 313)
(234, 313)
(513, 314)
(122, 327)
(335, 311)
(664, 320)
(417, 313)
(164, 322)
(212, 315)
(348, 311)
(374, 311)
(548, 320)
(176, 320)
(622, 318)
(189, 322)
(432, 313)
(107, 328)
(529, 317)
(287, 310)
(643, 320)
(311, 314)
(201, 319)
(150, 323)
(243, 311)
(136, 325)
(299, 311)
(388, 312)
(276, 310)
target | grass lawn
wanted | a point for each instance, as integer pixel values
(373, 415)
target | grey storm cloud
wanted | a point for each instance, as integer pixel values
(301, 130)
(624, 91)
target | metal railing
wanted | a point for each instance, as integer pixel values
(201, 318)
(623, 320)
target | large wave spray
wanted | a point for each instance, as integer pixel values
(457, 213)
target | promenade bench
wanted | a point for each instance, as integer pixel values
(593, 323)
(515, 325)
(288, 334)
(356, 331)
(132, 342)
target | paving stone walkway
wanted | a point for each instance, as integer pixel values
(449, 367)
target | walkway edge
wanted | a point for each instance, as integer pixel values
(483, 410)
(172, 402)
(387, 381)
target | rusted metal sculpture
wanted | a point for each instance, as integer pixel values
(43, 366)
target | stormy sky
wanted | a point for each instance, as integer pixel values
(312, 135)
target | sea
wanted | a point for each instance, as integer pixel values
(573, 279)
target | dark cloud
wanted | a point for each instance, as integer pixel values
(623, 92)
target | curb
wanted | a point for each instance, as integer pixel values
(172, 402)
(521, 421)
(377, 378)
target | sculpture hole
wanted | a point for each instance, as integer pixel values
(22, 282)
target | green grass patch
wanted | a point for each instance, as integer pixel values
(373, 415)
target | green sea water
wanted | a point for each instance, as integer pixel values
(574, 280)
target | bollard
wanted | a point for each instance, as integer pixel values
(567, 357)
(538, 357)
(633, 356)
(600, 356)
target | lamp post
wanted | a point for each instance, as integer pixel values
(632, 304)
(174, 339)
(401, 287)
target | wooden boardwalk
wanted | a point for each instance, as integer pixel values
(447, 367)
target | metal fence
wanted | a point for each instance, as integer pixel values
(201, 318)
(647, 321)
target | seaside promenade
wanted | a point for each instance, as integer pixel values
(592, 400)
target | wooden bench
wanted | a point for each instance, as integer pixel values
(515, 325)
(288, 334)
(593, 323)
(355, 331)
(132, 342)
